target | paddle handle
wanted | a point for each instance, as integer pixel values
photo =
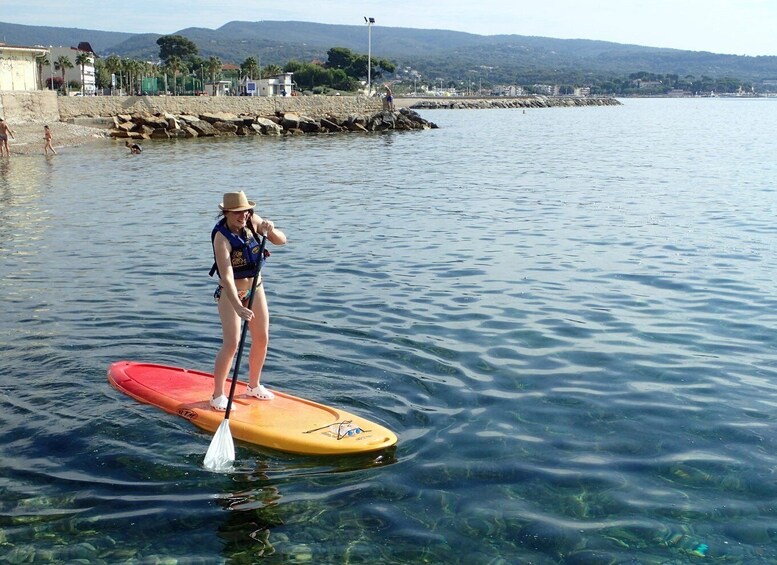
(244, 329)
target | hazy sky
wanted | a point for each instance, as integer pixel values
(739, 27)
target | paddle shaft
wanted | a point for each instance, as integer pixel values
(244, 329)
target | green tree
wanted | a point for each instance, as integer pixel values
(355, 65)
(174, 64)
(83, 59)
(113, 66)
(176, 46)
(41, 61)
(341, 58)
(214, 68)
(102, 78)
(62, 64)
(271, 71)
(250, 68)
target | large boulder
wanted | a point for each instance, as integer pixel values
(212, 118)
(203, 128)
(330, 125)
(160, 133)
(172, 122)
(225, 127)
(309, 125)
(268, 126)
(151, 121)
(290, 121)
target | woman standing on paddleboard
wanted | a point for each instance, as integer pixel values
(235, 240)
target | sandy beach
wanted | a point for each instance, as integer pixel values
(28, 137)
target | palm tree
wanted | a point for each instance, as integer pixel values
(271, 71)
(42, 61)
(132, 69)
(83, 59)
(153, 70)
(62, 64)
(175, 64)
(112, 65)
(250, 68)
(214, 68)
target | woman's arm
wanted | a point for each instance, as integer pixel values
(276, 236)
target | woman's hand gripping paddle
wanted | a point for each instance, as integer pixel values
(221, 453)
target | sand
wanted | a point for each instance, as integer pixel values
(28, 138)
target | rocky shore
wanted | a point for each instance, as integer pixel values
(80, 120)
(522, 102)
(161, 125)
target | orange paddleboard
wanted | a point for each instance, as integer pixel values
(286, 423)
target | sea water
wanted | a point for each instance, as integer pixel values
(568, 316)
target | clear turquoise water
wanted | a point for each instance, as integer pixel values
(567, 315)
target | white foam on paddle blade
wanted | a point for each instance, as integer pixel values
(221, 453)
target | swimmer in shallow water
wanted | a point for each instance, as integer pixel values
(133, 147)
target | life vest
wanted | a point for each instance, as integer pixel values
(245, 251)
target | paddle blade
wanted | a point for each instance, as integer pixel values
(221, 453)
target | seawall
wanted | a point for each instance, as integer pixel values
(46, 106)
(72, 108)
(40, 106)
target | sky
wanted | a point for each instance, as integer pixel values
(737, 27)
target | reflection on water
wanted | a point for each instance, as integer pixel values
(573, 341)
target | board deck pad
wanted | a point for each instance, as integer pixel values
(286, 423)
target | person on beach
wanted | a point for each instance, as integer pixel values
(389, 98)
(47, 137)
(236, 240)
(134, 148)
(5, 132)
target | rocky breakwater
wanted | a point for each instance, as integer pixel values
(522, 102)
(167, 126)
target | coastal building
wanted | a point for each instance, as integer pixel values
(86, 81)
(218, 88)
(512, 91)
(547, 89)
(19, 69)
(277, 85)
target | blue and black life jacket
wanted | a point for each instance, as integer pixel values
(245, 251)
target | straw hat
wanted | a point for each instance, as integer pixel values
(236, 202)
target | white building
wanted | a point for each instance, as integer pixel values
(512, 91)
(218, 88)
(278, 85)
(19, 68)
(89, 85)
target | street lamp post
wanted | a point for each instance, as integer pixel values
(369, 22)
(51, 66)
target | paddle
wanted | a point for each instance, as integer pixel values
(221, 452)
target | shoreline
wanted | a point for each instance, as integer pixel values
(75, 122)
(28, 138)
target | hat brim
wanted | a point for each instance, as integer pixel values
(251, 206)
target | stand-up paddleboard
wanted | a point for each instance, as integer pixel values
(286, 423)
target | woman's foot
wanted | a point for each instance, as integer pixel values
(220, 403)
(259, 392)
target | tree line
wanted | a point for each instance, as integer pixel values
(181, 70)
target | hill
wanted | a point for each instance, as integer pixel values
(435, 54)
